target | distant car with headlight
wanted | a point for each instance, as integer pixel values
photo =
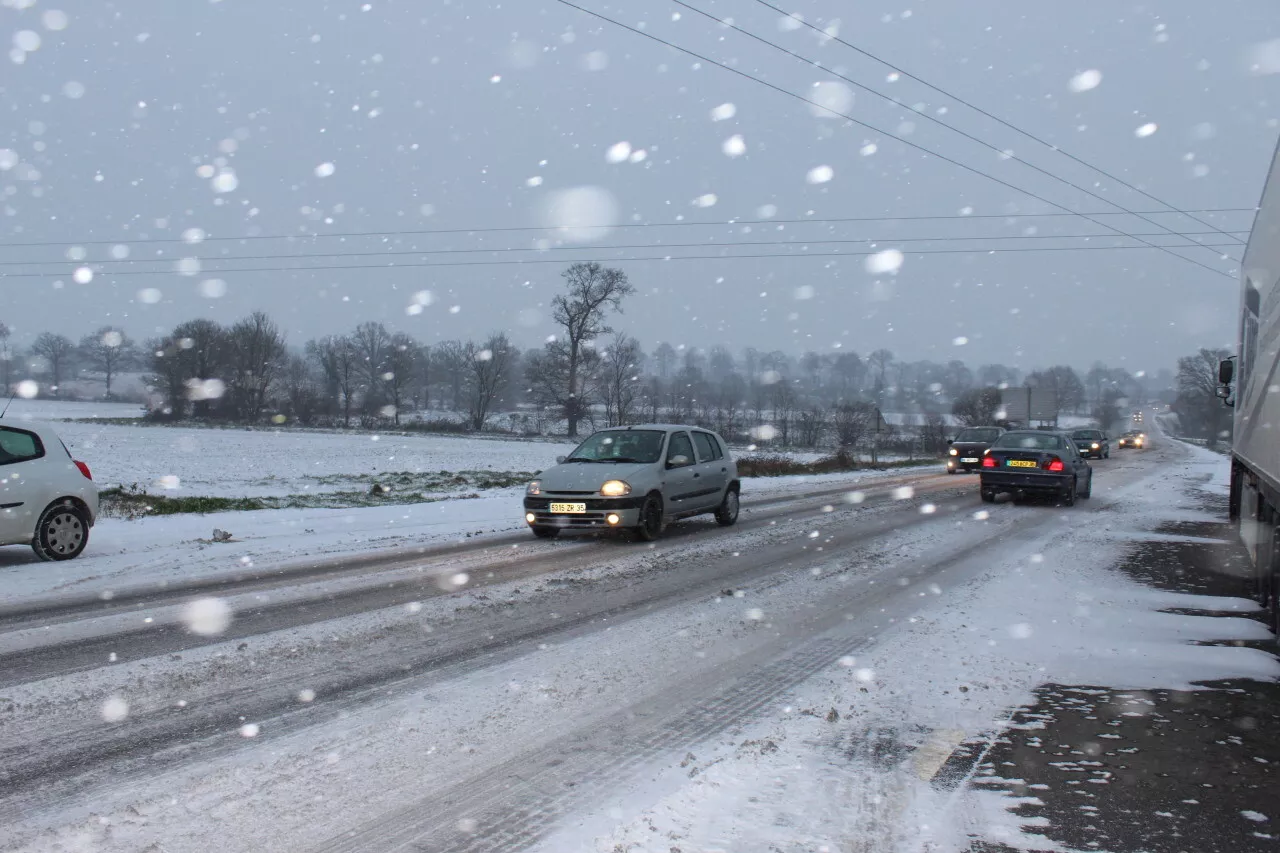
(1135, 439)
(635, 478)
(964, 452)
(1092, 443)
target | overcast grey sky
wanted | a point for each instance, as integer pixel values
(459, 115)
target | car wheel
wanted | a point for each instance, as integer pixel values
(651, 521)
(546, 532)
(727, 514)
(62, 532)
(1069, 494)
(988, 496)
(1107, 455)
(951, 470)
(1088, 488)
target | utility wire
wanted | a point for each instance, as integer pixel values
(505, 249)
(678, 223)
(875, 129)
(924, 115)
(490, 263)
(1028, 134)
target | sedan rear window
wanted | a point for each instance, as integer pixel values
(17, 445)
(639, 445)
(1028, 441)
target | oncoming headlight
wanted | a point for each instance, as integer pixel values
(534, 488)
(1095, 445)
(615, 489)
(954, 452)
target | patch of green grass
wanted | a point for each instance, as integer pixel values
(133, 503)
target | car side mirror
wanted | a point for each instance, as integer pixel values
(677, 461)
(560, 459)
(950, 441)
(1226, 371)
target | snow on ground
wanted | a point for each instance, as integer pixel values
(261, 462)
(62, 410)
(129, 553)
(809, 776)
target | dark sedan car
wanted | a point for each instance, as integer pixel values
(965, 452)
(1092, 443)
(1027, 462)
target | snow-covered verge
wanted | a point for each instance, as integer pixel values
(848, 763)
(176, 548)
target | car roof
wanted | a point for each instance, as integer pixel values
(663, 427)
(1059, 433)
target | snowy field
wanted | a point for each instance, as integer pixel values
(59, 410)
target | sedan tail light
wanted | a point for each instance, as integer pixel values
(84, 469)
(1055, 464)
(988, 462)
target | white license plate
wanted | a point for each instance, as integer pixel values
(569, 508)
(969, 459)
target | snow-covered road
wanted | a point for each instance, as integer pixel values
(726, 689)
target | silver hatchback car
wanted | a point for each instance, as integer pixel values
(635, 478)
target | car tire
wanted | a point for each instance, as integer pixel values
(1069, 494)
(543, 532)
(62, 532)
(988, 496)
(727, 514)
(1107, 455)
(1088, 488)
(651, 520)
(951, 471)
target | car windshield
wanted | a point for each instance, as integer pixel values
(984, 435)
(1028, 441)
(1086, 435)
(643, 445)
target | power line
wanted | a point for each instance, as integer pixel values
(886, 63)
(1007, 154)
(678, 223)
(875, 129)
(490, 263)
(615, 247)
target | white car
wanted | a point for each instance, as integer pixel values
(48, 499)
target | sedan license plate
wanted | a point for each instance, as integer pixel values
(569, 508)
(969, 460)
(1020, 463)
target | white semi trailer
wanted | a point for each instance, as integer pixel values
(1251, 382)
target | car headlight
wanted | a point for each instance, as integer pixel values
(534, 488)
(615, 489)
(954, 452)
(1095, 445)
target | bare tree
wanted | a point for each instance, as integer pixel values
(1200, 412)
(664, 358)
(372, 341)
(547, 373)
(303, 392)
(108, 351)
(810, 424)
(783, 400)
(977, 406)
(255, 347)
(490, 366)
(852, 422)
(593, 289)
(341, 365)
(621, 379)
(453, 365)
(400, 367)
(57, 351)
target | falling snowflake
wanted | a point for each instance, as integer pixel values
(324, 170)
(820, 174)
(706, 200)
(1146, 130)
(618, 152)
(888, 261)
(723, 112)
(1086, 80)
(115, 709)
(734, 146)
(207, 616)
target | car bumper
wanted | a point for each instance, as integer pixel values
(1007, 481)
(957, 463)
(598, 514)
